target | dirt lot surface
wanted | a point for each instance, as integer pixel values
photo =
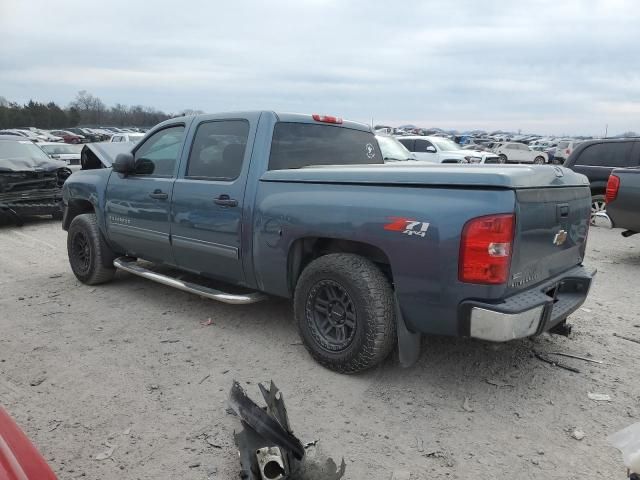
(128, 371)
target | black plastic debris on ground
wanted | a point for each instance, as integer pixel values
(267, 447)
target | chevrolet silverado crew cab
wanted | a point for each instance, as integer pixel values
(303, 207)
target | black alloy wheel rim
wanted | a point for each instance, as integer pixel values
(331, 314)
(81, 252)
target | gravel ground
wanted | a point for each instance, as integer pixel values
(128, 368)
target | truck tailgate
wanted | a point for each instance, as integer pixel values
(551, 232)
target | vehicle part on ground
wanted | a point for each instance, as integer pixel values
(131, 266)
(267, 447)
(89, 255)
(344, 307)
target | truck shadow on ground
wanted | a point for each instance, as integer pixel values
(7, 221)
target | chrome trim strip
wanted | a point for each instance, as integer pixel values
(135, 269)
(502, 327)
(205, 247)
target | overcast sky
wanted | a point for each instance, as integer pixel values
(550, 67)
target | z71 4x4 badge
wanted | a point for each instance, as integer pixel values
(407, 226)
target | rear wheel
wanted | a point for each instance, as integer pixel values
(90, 257)
(344, 308)
(538, 160)
(598, 205)
(503, 158)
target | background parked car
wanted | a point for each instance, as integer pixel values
(70, 137)
(46, 136)
(93, 137)
(25, 134)
(392, 150)
(564, 149)
(127, 137)
(513, 152)
(70, 154)
(597, 158)
(434, 149)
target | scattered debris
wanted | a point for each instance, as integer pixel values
(207, 323)
(213, 442)
(585, 309)
(578, 357)
(107, 453)
(169, 341)
(466, 406)
(127, 431)
(203, 379)
(153, 387)
(98, 329)
(56, 424)
(599, 397)
(578, 434)
(55, 275)
(195, 464)
(498, 383)
(310, 444)
(51, 314)
(38, 380)
(629, 339)
(540, 356)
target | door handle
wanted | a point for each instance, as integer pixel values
(225, 201)
(159, 195)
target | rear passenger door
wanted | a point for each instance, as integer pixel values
(208, 198)
(598, 160)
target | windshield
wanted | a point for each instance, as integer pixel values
(392, 149)
(445, 144)
(14, 150)
(61, 149)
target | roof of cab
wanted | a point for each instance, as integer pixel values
(280, 117)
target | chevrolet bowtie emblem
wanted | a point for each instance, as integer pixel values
(560, 238)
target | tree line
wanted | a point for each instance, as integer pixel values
(86, 110)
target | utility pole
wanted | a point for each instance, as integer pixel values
(606, 130)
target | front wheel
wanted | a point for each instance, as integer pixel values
(90, 257)
(344, 307)
(538, 160)
(503, 158)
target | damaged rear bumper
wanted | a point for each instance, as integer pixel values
(528, 313)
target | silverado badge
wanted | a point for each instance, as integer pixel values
(560, 238)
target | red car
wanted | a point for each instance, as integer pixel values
(19, 459)
(69, 137)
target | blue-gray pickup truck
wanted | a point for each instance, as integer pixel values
(303, 207)
(623, 200)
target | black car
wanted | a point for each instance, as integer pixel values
(597, 158)
(93, 137)
(30, 181)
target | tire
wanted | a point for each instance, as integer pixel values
(90, 257)
(538, 161)
(598, 204)
(503, 158)
(335, 291)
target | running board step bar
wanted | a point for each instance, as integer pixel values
(133, 267)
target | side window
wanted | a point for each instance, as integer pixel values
(407, 142)
(159, 154)
(614, 154)
(422, 145)
(218, 150)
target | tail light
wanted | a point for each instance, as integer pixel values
(327, 119)
(486, 248)
(613, 185)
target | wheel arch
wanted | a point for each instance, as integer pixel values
(75, 207)
(306, 249)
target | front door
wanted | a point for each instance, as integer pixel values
(426, 151)
(208, 201)
(138, 205)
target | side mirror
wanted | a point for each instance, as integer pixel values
(124, 163)
(431, 149)
(55, 156)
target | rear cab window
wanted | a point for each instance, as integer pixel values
(299, 145)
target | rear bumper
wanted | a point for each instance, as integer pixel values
(527, 313)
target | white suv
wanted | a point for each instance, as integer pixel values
(435, 149)
(513, 152)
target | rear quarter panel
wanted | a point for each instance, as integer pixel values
(624, 211)
(425, 270)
